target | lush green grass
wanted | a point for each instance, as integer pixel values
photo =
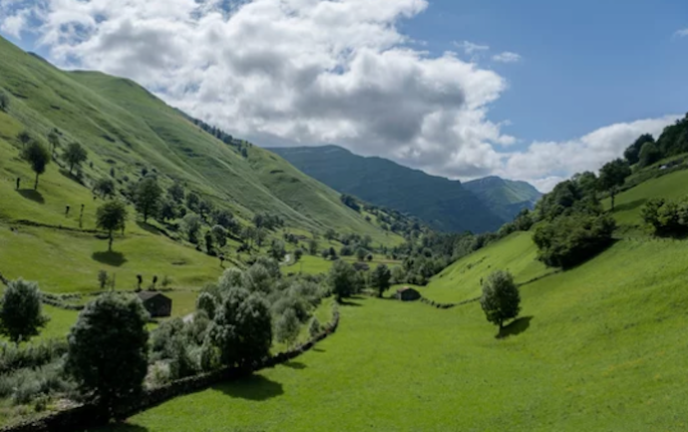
(462, 280)
(598, 348)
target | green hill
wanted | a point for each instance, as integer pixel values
(443, 204)
(127, 132)
(504, 197)
(598, 347)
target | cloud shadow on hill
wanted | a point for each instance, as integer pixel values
(115, 259)
(255, 388)
(515, 328)
(32, 195)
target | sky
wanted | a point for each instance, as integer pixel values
(531, 90)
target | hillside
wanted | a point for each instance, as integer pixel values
(506, 198)
(443, 204)
(126, 129)
(598, 347)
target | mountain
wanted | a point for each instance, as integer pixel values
(127, 131)
(443, 204)
(506, 198)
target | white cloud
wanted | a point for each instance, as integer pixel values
(311, 72)
(14, 17)
(507, 57)
(682, 33)
(470, 48)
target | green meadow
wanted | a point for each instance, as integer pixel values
(599, 347)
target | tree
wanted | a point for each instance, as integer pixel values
(381, 279)
(360, 254)
(21, 316)
(632, 153)
(4, 102)
(102, 279)
(74, 155)
(176, 192)
(277, 250)
(298, 253)
(192, 201)
(209, 246)
(313, 247)
(287, 327)
(613, 175)
(24, 138)
(168, 210)
(342, 279)
(204, 208)
(111, 217)
(206, 303)
(220, 235)
(500, 300)
(224, 218)
(147, 197)
(242, 327)
(54, 140)
(38, 157)
(191, 224)
(314, 329)
(104, 187)
(649, 154)
(108, 350)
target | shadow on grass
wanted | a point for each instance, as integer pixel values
(515, 328)
(255, 388)
(630, 205)
(347, 303)
(294, 365)
(119, 427)
(32, 195)
(112, 258)
(72, 177)
(149, 228)
(318, 350)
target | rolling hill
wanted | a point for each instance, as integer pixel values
(443, 204)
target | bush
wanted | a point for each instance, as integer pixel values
(665, 217)
(20, 311)
(315, 328)
(287, 327)
(571, 240)
(30, 356)
(29, 384)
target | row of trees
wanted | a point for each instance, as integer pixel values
(38, 156)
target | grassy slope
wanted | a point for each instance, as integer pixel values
(600, 347)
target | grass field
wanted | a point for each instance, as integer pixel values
(599, 347)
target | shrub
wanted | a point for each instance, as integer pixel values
(108, 350)
(500, 299)
(287, 327)
(30, 356)
(206, 303)
(29, 384)
(570, 240)
(343, 279)
(20, 311)
(666, 217)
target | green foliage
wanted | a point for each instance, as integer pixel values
(649, 154)
(350, 202)
(632, 153)
(74, 155)
(54, 140)
(674, 138)
(147, 198)
(176, 192)
(277, 250)
(21, 315)
(381, 279)
(501, 300)
(191, 224)
(38, 157)
(220, 235)
(102, 279)
(108, 349)
(206, 303)
(613, 175)
(242, 327)
(570, 240)
(666, 217)
(111, 217)
(287, 327)
(342, 279)
(168, 210)
(4, 102)
(33, 355)
(104, 187)
(314, 328)
(30, 384)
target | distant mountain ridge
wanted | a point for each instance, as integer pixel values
(443, 204)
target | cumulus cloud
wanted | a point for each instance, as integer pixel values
(311, 72)
(682, 33)
(507, 57)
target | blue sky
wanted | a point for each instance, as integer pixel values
(394, 78)
(586, 63)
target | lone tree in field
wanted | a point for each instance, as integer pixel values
(111, 217)
(74, 155)
(108, 350)
(613, 175)
(147, 197)
(381, 279)
(20, 311)
(501, 299)
(38, 157)
(342, 279)
(104, 187)
(54, 140)
(4, 102)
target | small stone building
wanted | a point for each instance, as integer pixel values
(157, 304)
(407, 294)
